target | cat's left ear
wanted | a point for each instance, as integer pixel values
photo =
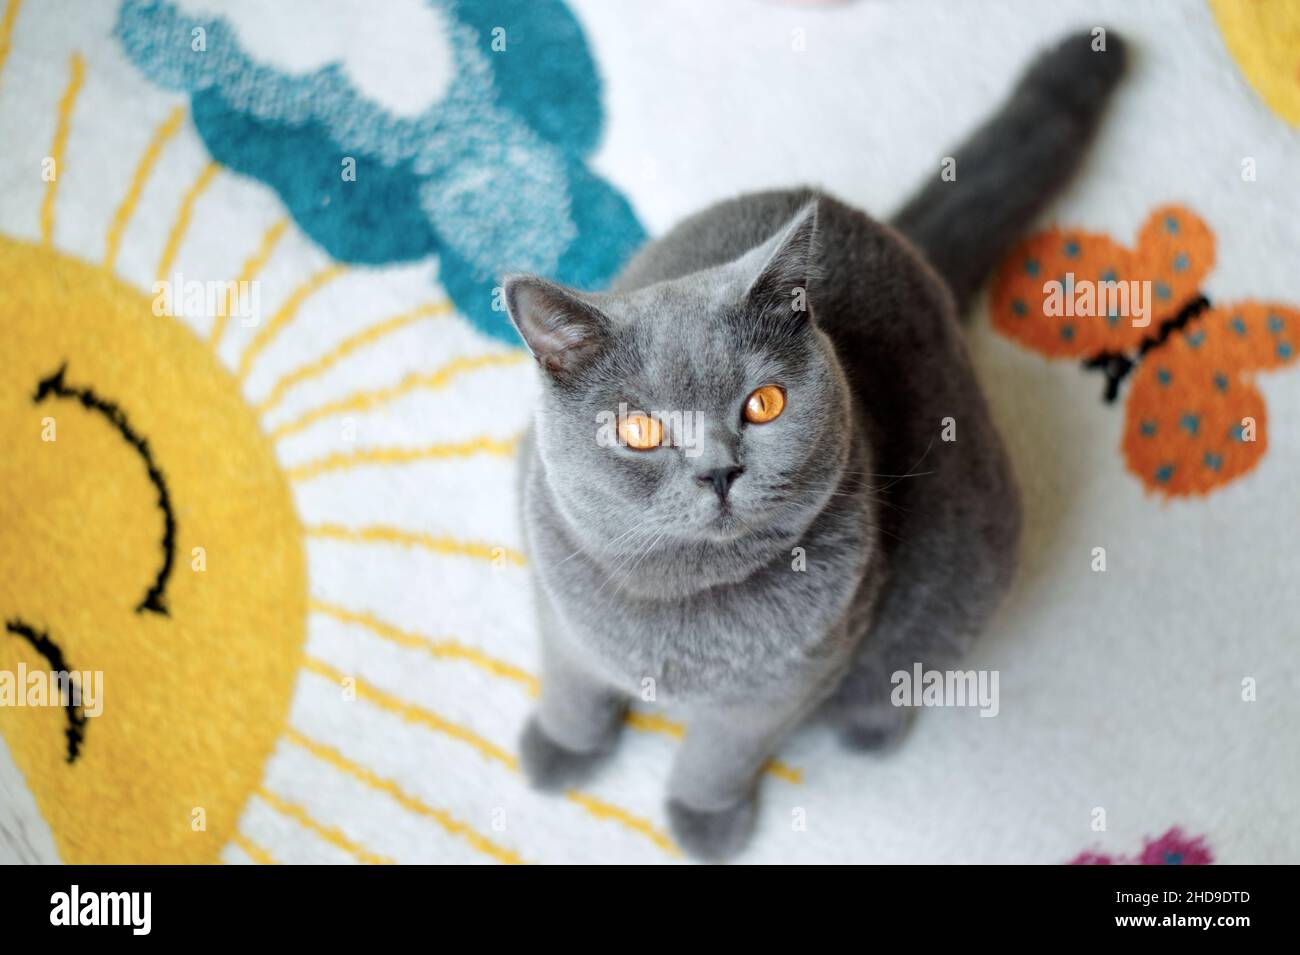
(562, 330)
(786, 263)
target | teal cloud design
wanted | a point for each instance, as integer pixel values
(490, 178)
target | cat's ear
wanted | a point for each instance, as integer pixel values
(784, 265)
(561, 329)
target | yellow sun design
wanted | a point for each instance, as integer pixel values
(177, 576)
(1263, 36)
(210, 671)
(150, 531)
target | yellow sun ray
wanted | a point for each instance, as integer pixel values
(183, 216)
(366, 336)
(378, 534)
(7, 31)
(253, 850)
(411, 713)
(442, 649)
(420, 716)
(330, 834)
(446, 820)
(286, 314)
(785, 771)
(389, 457)
(604, 810)
(367, 400)
(77, 70)
(653, 723)
(143, 170)
(252, 266)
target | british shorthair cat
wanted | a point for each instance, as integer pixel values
(736, 489)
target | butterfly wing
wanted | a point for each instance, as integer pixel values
(1194, 420)
(1067, 293)
(1176, 253)
(1249, 336)
(1033, 294)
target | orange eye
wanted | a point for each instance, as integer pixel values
(641, 432)
(764, 405)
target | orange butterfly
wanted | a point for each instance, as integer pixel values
(1194, 419)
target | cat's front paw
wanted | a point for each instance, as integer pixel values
(551, 767)
(874, 729)
(713, 835)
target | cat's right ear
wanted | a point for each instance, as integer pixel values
(784, 265)
(563, 331)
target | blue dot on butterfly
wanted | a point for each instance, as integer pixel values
(1148, 429)
(1112, 318)
(1171, 225)
(1284, 350)
(1196, 338)
(1238, 324)
(1164, 376)
(1213, 461)
(1110, 275)
(1162, 291)
(1067, 332)
(1181, 262)
(1220, 381)
(1191, 423)
(1031, 266)
(1071, 249)
(1164, 473)
(1019, 307)
(1237, 433)
(1274, 323)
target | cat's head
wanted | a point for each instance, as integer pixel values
(704, 409)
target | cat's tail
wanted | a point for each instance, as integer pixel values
(1013, 165)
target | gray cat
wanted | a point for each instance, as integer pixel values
(777, 524)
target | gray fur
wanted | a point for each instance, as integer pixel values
(964, 226)
(643, 573)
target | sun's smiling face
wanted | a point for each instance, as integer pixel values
(155, 469)
(198, 633)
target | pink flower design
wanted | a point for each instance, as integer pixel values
(1173, 848)
(1088, 857)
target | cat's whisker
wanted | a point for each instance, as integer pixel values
(910, 473)
(630, 536)
(861, 485)
(624, 560)
(607, 544)
(778, 502)
(645, 552)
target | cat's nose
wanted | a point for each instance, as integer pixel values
(720, 478)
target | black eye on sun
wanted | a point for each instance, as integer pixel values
(55, 387)
(53, 654)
